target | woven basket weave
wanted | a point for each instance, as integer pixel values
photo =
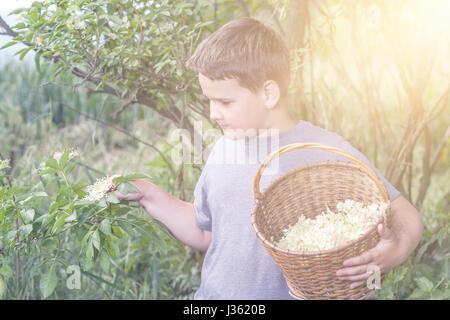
(306, 191)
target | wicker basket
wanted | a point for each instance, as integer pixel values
(306, 190)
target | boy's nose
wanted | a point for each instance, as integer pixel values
(214, 114)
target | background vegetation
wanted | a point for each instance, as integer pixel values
(109, 79)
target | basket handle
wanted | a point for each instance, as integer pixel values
(314, 145)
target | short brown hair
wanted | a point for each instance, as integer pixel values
(247, 50)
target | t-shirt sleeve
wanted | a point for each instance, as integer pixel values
(202, 213)
(390, 189)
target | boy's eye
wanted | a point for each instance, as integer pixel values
(225, 103)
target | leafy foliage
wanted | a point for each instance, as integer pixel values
(59, 228)
(126, 43)
(134, 50)
(426, 274)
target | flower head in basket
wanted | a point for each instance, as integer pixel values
(330, 230)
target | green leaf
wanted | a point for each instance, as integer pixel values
(423, 249)
(82, 203)
(72, 217)
(112, 198)
(2, 288)
(96, 240)
(11, 235)
(20, 25)
(84, 240)
(87, 263)
(17, 11)
(59, 222)
(104, 261)
(24, 53)
(79, 185)
(70, 167)
(442, 295)
(417, 294)
(9, 44)
(47, 171)
(135, 176)
(127, 228)
(424, 284)
(121, 211)
(399, 274)
(102, 203)
(27, 228)
(50, 244)
(117, 232)
(126, 187)
(63, 159)
(102, 280)
(52, 163)
(27, 215)
(36, 249)
(90, 251)
(41, 218)
(40, 194)
(112, 248)
(37, 61)
(105, 226)
(6, 271)
(48, 282)
(115, 19)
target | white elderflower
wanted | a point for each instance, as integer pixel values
(57, 156)
(331, 230)
(72, 154)
(99, 189)
(4, 164)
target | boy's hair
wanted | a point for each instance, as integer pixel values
(247, 50)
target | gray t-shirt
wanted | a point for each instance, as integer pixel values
(236, 265)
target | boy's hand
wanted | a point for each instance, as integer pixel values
(384, 255)
(135, 196)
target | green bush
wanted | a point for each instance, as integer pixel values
(426, 273)
(49, 227)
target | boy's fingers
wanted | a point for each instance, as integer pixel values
(364, 258)
(356, 277)
(118, 194)
(352, 271)
(129, 197)
(121, 196)
(356, 284)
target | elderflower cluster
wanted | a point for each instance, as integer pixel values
(331, 230)
(4, 164)
(99, 189)
(57, 156)
(72, 154)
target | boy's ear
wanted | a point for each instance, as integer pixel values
(271, 93)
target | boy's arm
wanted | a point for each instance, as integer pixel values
(407, 225)
(178, 216)
(394, 247)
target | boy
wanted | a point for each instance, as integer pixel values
(243, 68)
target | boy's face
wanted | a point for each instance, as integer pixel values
(235, 108)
